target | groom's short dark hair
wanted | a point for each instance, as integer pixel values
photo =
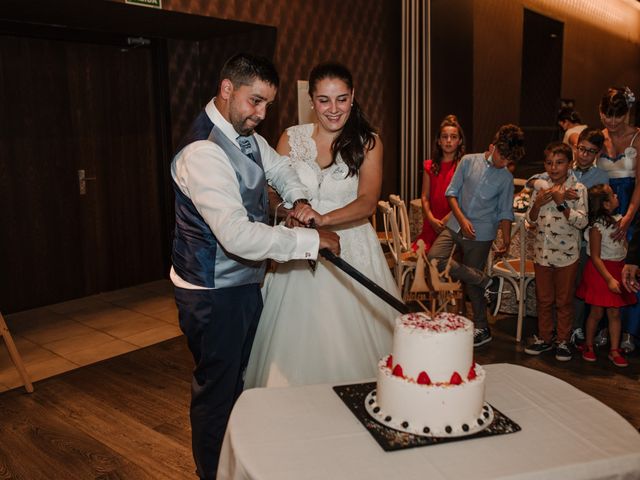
(244, 69)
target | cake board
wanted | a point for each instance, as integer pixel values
(389, 439)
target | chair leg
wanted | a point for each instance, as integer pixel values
(15, 356)
(522, 307)
(520, 320)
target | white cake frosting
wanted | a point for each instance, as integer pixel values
(430, 384)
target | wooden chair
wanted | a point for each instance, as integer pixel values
(15, 356)
(519, 184)
(403, 262)
(517, 271)
(382, 236)
(402, 216)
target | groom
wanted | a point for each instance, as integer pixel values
(220, 175)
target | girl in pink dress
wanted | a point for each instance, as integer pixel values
(448, 149)
(601, 285)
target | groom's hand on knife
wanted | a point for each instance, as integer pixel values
(329, 240)
(303, 215)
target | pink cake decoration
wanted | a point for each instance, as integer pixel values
(444, 322)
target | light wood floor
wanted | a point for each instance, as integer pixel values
(127, 417)
(69, 335)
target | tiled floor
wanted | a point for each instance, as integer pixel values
(61, 337)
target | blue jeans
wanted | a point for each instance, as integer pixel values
(470, 271)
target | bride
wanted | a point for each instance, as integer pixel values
(323, 327)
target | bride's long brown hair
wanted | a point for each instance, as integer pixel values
(357, 136)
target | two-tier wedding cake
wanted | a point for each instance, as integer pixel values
(430, 384)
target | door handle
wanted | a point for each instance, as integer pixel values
(82, 181)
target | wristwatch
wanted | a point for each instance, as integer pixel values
(562, 207)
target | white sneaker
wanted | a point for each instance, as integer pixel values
(627, 344)
(577, 336)
(602, 338)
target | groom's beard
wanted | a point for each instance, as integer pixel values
(244, 126)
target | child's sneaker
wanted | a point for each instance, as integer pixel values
(616, 357)
(481, 336)
(577, 336)
(602, 338)
(588, 353)
(563, 352)
(492, 294)
(627, 345)
(538, 346)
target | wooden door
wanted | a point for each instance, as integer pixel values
(542, 39)
(70, 106)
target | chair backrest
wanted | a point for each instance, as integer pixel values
(518, 229)
(519, 182)
(383, 208)
(394, 242)
(400, 210)
(374, 222)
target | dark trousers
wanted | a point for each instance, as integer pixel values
(220, 326)
(470, 271)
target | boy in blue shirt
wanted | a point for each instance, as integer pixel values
(481, 197)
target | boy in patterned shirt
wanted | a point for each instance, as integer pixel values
(558, 213)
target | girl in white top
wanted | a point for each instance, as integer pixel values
(601, 285)
(619, 160)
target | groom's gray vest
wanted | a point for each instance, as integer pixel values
(197, 256)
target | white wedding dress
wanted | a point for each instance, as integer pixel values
(323, 327)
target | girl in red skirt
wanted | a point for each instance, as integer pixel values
(601, 285)
(448, 149)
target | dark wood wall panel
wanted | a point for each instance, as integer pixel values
(362, 34)
(88, 117)
(40, 216)
(194, 68)
(601, 47)
(69, 106)
(452, 64)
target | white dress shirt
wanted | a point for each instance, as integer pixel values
(204, 173)
(557, 242)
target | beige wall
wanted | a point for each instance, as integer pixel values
(601, 48)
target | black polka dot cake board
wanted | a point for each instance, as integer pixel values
(360, 399)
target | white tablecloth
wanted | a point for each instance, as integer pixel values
(307, 432)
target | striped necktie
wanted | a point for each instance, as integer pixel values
(246, 145)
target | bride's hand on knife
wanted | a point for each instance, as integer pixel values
(308, 216)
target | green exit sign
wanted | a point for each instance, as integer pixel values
(146, 3)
